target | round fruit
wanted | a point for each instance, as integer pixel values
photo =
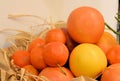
(55, 53)
(36, 43)
(31, 69)
(107, 41)
(55, 35)
(55, 74)
(88, 60)
(113, 55)
(37, 59)
(111, 73)
(21, 58)
(85, 25)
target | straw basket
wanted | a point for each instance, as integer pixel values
(20, 41)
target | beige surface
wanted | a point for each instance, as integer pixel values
(58, 9)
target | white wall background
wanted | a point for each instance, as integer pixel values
(58, 9)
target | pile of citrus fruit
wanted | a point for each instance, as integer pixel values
(82, 48)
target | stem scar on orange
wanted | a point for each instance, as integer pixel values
(85, 25)
(21, 58)
(55, 53)
(55, 35)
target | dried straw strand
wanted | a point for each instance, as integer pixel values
(21, 40)
(3, 75)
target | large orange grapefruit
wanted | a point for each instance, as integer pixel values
(85, 25)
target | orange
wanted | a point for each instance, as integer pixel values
(55, 53)
(37, 59)
(37, 42)
(85, 25)
(21, 58)
(55, 35)
(31, 69)
(111, 73)
(55, 74)
(113, 55)
(107, 41)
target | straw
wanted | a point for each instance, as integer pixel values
(21, 40)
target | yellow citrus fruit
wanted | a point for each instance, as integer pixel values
(88, 60)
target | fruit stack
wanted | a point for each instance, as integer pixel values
(79, 50)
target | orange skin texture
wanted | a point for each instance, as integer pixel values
(112, 73)
(55, 53)
(113, 55)
(31, 69)
(85, 25)
(37, 59)
(107, 41)
(36, 43)
(55, 74)
(55, 35)
(21, 58)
